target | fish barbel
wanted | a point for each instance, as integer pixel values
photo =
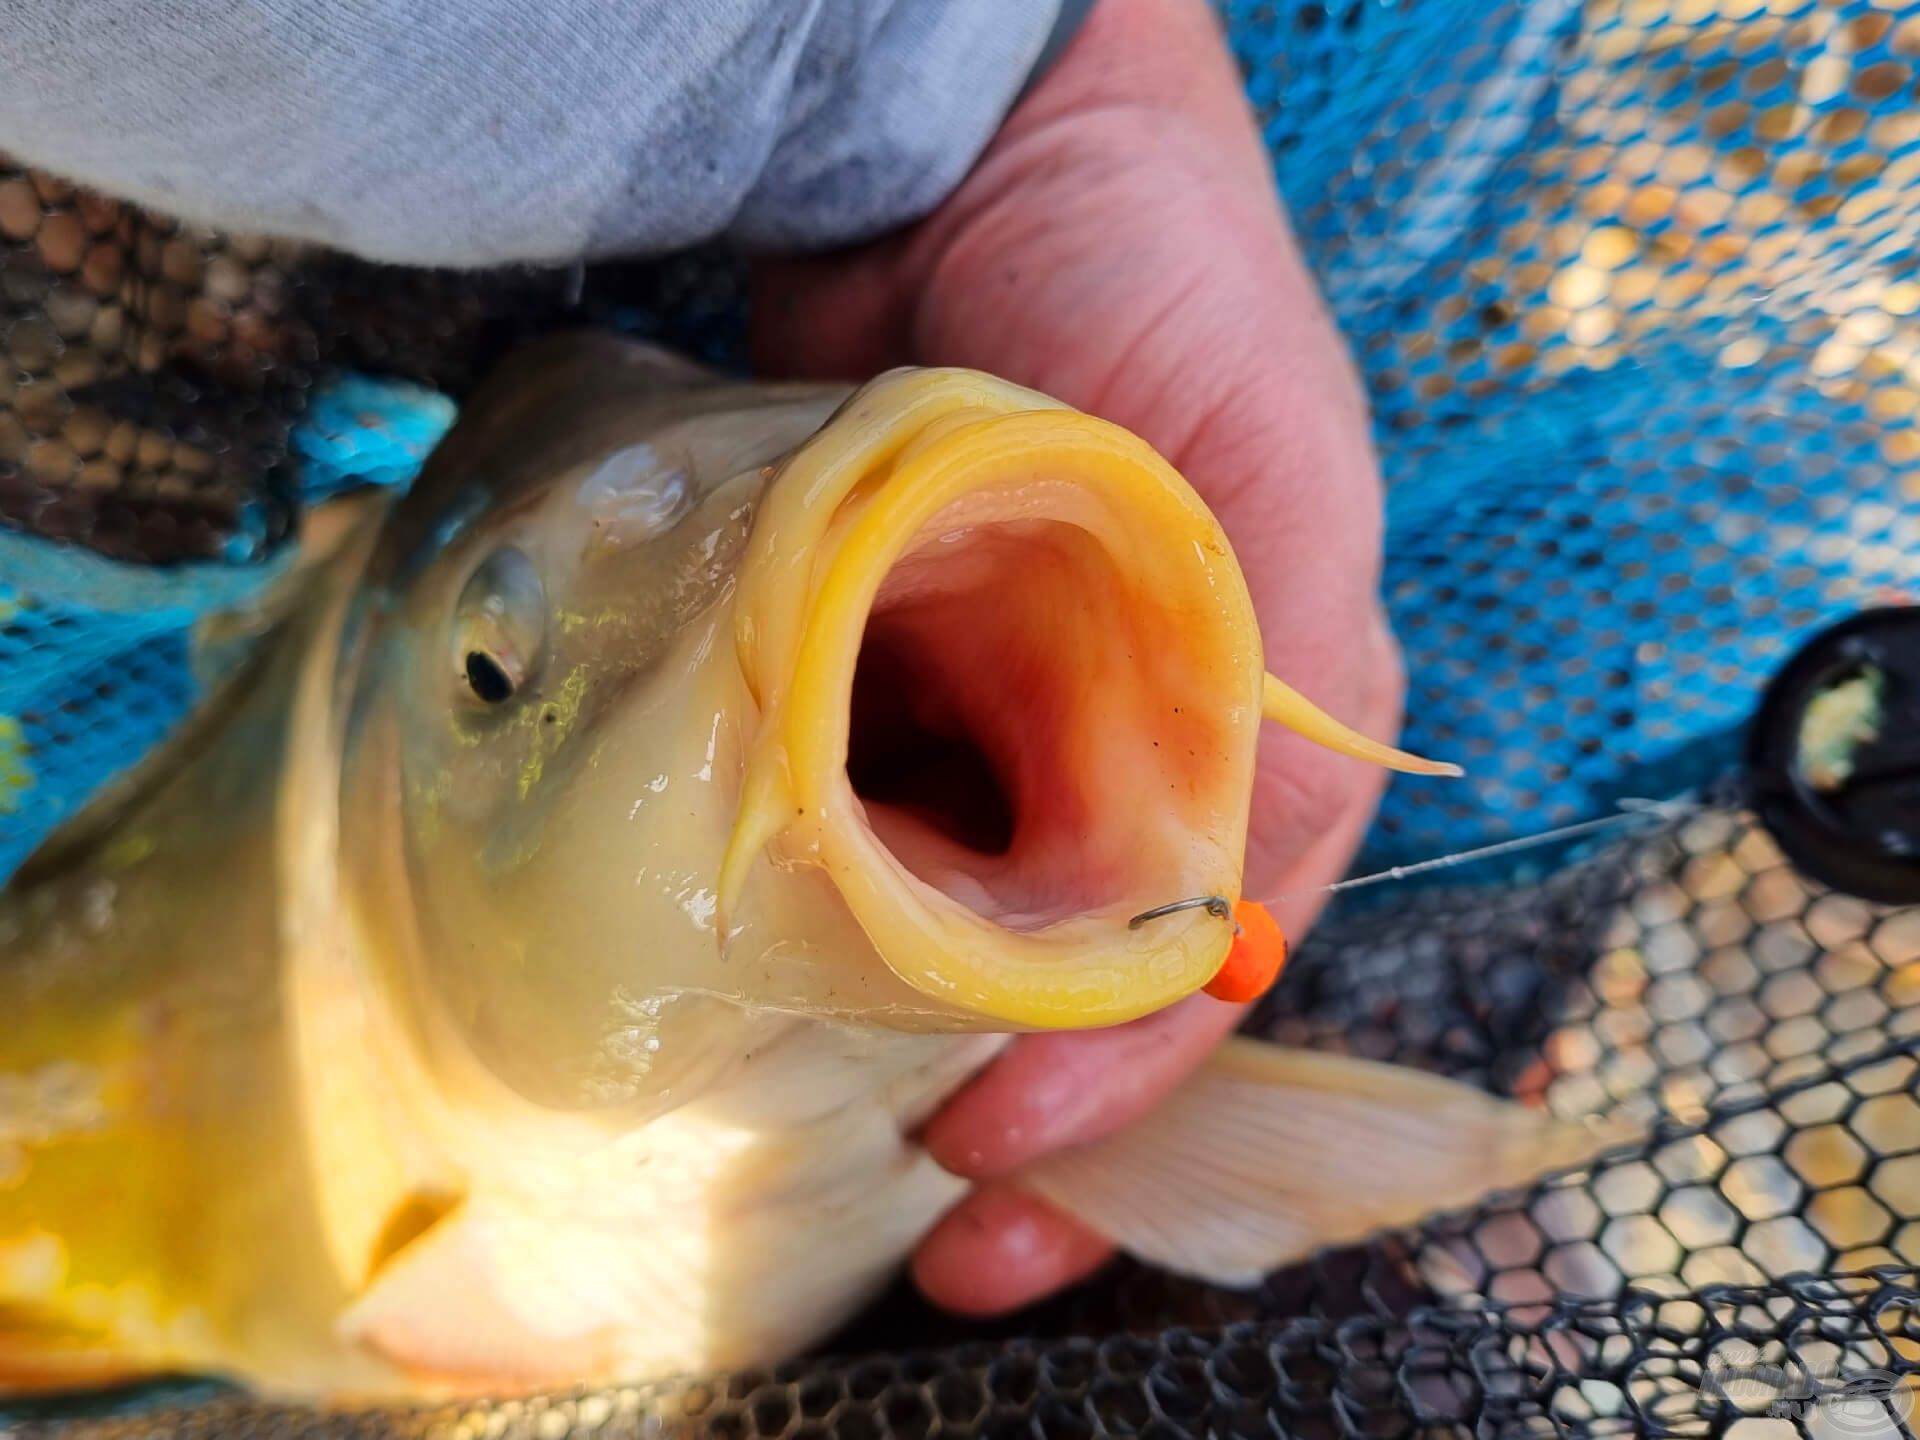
(533, 965)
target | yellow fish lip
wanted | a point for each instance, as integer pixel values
(1149, 722)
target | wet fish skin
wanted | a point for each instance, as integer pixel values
(503, 986)
(298, 968)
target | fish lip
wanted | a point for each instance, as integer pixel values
(1082, 969)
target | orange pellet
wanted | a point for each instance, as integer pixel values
(1254, 960)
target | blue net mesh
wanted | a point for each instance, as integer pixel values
(1632, 284)
(98, 656)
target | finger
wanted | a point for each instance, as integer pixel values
(999, 1249)
(1051, 1091)
(1002, 1248)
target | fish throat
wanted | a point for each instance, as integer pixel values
(993, 652)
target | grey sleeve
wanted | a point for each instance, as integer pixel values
(477, 132)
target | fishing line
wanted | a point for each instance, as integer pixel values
(1633, 811)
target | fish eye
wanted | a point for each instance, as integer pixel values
(488, 677)
(499, 627)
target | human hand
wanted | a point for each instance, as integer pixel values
(1120, 246)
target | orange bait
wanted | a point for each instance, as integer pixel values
(1255, 959)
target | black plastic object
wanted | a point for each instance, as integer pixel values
(1861, 834)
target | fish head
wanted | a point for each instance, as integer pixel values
(523, 778)
(893, 707)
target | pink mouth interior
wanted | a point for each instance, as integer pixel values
(997, 677)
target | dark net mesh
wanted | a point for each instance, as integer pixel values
(1633, 285)
(1753, 1268)
(1439, 1373)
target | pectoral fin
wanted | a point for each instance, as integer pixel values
(1269, 1153)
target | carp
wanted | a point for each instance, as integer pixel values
(532, 964)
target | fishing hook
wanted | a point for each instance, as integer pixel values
(1215, 905)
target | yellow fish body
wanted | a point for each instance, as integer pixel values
(532, 968)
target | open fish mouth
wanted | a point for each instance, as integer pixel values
(962, 748)
(1011, 700)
